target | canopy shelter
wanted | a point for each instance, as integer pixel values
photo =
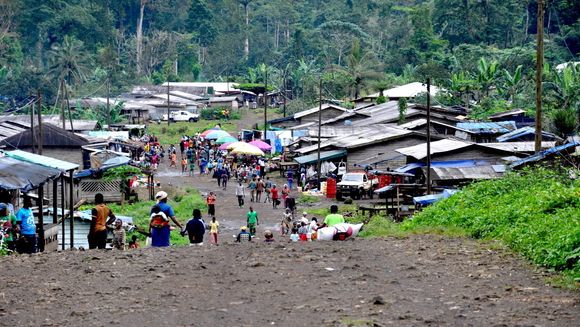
(324, 156)
(206, 132)
(226, 139)
(225, 146)
(24, 172)
(24, 176)
(248, 149)
(233, 145)
(261, 145)
(214, 135)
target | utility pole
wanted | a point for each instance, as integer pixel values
(32, 136)
(69, 113)
(266, 103)
(168, 118)
(62, 104)
(428, 135)
(284, 96)
(318, 163)
(40, 134)
(108, 101)
(539, 69)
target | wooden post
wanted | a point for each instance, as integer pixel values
(284, 96)
(39, 111)
(266, 103)
(539, 69)
(32, 136)
(428, 135)
(108, 101)
(62, 195)
(318, 163)
(72, 129)
(62, 104)
(41, 240)
(71, 210)
(168, 110)
(54, 201)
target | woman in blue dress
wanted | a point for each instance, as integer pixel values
(159, 227)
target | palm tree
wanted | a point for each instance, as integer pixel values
(361, 67)
(69, 61)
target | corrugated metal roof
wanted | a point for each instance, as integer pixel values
(176, 99)
(517, 146)
(507, 113)
(41, 160)
(357, 136)
(463, 173)
(24, 176)
(410, 90)
(324, 156)
(489, 127)
(217, 86)
(315, 110)
(420, 151)
(545, 153)
(387, 112)
(525, 131)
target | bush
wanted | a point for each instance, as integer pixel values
(536, 213)
(218, 113)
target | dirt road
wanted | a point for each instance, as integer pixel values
(417, 281)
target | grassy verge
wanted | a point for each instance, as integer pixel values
(535, 213)
(183, 204)
(172, 134)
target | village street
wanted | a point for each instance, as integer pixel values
(413, 281)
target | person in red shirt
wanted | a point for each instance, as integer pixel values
(274, 195)
(211, 204)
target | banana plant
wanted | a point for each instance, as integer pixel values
(512, 83)
(486, 75)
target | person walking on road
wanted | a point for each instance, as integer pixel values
(211, 204)
(240, 193)
(214, 229)
(252, 186)
(260, 186)
(252, 220)
(274, 195)
(98, 231)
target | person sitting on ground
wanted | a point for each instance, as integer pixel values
(294, 237)
(244, 235)
(195, 228)
(333, 218)
(304, 218)
(268, 236)
(118, 236)
(302, 231)
(133, 244)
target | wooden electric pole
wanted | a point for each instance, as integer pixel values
(428, 135)
(39, 111)
(266, 103)
(168, 110)
(108, 102)
(32, 136)
(284, 96)
(318, 163)
(62, 105)
(539, 69)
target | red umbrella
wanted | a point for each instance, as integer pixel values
(261, 145)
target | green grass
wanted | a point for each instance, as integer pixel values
(172, 134)
(535, 213)
(183, 205)
(307, 199)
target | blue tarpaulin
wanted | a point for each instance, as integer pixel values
(499, 127)
(543, 154)
(432, 198)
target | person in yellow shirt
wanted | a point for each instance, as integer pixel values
(214, 229)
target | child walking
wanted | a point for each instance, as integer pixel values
(183, 165)
(211, 204)
(214, 229)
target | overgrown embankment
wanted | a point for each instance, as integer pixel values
(536, 213)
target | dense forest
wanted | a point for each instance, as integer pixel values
(481, 51)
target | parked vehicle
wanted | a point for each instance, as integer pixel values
(181, 115)
(356, 185)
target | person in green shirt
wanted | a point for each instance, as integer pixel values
(252, 219)
(334, 217)
(7, 227)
